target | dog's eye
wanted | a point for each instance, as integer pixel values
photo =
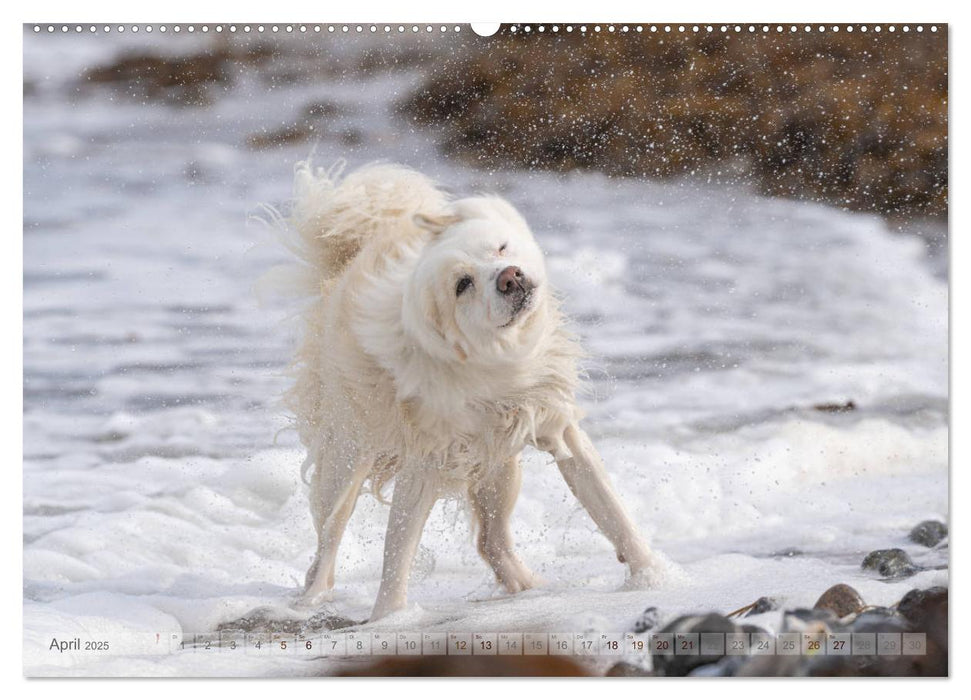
(502, 248)
(463, 284)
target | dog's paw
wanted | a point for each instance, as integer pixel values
(384, 608)
(523, 581)
(514, 576)
(312, 599)
(660, 572)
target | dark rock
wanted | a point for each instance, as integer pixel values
(762, 605)
(835, 407)
(269, 620)
(647, 621)
(623, 668)
(841, 600)
(919, 611)
(853, 666)
(928, 533)
(879, 620)
(327, 621)
(925, 608)
(672, 665)
(890, 563)
(926, 611)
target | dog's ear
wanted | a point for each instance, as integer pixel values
(436, 223)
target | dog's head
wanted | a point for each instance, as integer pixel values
(480, 284)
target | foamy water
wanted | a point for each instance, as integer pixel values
(161, 497)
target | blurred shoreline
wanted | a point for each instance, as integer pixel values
(858, 120)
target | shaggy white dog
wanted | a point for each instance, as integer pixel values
(433, 353)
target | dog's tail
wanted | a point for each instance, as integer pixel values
(334, 216)
(329, 220)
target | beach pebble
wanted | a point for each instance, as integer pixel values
(674, 665)
(926, 611)
(271, 620)
(890, 563)
(841, 600)
(879, 620)
(921, 607)
(928, 533)
(647, 621)
(762, 605)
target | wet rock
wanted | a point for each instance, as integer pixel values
(924, 608)
(762, 605)
(835, 407)
(841, 600)
(878, 620)
(323, 621)
(918, 611)
(890, 563)
(270, 620)
(871, 666)
(926, 611)
(647, 621)
(928, 533)
(625, 669)
(673, 665)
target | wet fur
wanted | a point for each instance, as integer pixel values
(394, 379)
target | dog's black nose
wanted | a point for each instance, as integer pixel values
(513, 281)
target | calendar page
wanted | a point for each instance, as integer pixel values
(536, 349)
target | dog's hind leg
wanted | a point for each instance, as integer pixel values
(333, 494)
(414, 495)
(492, 501)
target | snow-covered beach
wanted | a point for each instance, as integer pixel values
(162, 492)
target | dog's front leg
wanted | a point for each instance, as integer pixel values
(587, 478)
(414, 495)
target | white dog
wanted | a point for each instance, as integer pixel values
(433, 353)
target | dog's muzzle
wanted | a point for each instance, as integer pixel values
(514, 286)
